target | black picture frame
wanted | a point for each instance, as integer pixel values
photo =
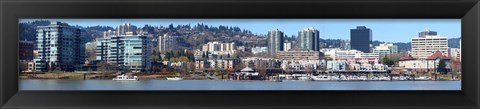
(467, 10)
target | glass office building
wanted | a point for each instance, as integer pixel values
(59, 47)
(361, 39)
(128, 52)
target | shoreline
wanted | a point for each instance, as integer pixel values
(251, 80)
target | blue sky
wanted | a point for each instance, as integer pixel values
(388, 30)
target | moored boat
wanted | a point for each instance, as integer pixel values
(320, 78)
(275, 79)
(422, 78)
(174, 78)
(127, 78)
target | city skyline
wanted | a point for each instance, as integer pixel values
(66, 52)
(382, 29)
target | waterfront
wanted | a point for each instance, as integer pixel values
(40, 84)
(227, 57)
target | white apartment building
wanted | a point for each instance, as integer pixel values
(428, 64)
(426, 46)
(385, 49)
(335, 54)
(353, 54)
(455, 53)
(329, 52)
(219, 48)
(353, 60)
(301, 64)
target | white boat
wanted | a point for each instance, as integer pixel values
(374, 78)
(275, 79)
(384, 78)
(423, 78)
(321, 78)
(336, 78)
(174, 78)
(343, 77)
(403, 78)
(359, 78)
(397, 78)
(304, 78)
(125, 77)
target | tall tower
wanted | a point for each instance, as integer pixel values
(166, 43)
(275, 41)
(309, 39)
(361, 39)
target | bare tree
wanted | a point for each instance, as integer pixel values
(308, 69)
(261, 67)
(239, 66)
(90, 51)
(103, 67)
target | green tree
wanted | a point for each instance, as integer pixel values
(173, 59)
(167, 56)
(159, 56)
(387, 61)
(191, 57)
(441, 66)
(178, 54)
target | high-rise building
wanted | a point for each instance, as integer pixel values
(287, 46)
(124, 28)
(385, 49)
(128, 52)
(59, 47)
(275, 41)
(308, 39)
(426, 46)
(166, 43)
(361, 39)
(426, 32)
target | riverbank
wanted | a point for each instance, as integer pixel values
(163, 76)
(103, 76)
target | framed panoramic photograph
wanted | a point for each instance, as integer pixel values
(239, 54)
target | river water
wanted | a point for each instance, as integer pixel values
(37, 84)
